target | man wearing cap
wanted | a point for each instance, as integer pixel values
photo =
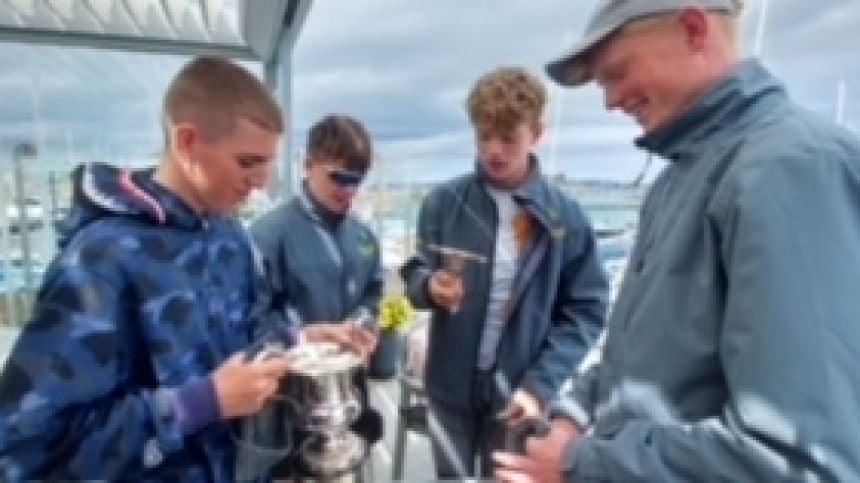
(732, 348)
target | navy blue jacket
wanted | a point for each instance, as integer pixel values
(559, 296)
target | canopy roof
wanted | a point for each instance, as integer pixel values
(244, 29)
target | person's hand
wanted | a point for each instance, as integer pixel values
(543, 459)
(521, 406)
(364, 337)
(446, 289)
(242, 387)
(354, 337)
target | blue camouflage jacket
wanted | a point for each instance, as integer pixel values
(144, 299)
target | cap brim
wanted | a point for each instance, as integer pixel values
(571, 69)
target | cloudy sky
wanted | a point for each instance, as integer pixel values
(404, 68)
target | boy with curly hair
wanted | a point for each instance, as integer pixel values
(499, 350)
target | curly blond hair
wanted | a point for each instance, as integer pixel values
(505, 97)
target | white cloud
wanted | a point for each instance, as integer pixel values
(405, 69)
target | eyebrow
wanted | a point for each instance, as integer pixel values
(255, 159)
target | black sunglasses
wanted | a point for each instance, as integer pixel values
(345, 178)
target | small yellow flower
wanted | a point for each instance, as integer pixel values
(395, 313)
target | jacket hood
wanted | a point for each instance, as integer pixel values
(101, 190)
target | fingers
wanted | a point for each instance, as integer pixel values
(530, 405)
(532, 443)
(512, 467)
(273, 368)
(353, 337)
(510, 460)
(508, 476)
(446, 289)
(356, 338)
(243, 386)
(450, 284)
(264, 389)
(364, 340)
(512, 413)
(326, 332)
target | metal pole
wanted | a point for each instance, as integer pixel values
(11, 312)
(840, 102)
(278, 75)
(761, 28)
(52, 191)
(23, 152)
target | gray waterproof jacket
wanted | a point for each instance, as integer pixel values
(318, 271)
(734, 346)
(559, 296)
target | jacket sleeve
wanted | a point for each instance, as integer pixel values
(578, 395)
(578, 313)
(417, 270)
(367, 308)
(67, 410)
(276, 320)
(789, 343)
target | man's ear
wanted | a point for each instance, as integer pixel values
(184, 137)
(694, 25)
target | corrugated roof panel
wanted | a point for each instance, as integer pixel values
(9, 17)
(193, 26)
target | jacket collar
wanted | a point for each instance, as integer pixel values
(533, 194)
(728, 102)
(314, 210)
(177, 211)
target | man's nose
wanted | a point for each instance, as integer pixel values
(492, 148)
(261, 177)
(610, 99)
(349, 190)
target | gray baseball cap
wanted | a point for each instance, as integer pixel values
(571, 69)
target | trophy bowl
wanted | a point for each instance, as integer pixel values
(321, 386)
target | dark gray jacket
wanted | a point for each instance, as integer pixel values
(318, 271)
(733, 348)
(560, 294)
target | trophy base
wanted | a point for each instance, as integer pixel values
(330, 456)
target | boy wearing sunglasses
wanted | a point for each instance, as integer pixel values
(323, 265)
(505, 334)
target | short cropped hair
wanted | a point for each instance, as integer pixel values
(505, 97)
(727, 21)
(342, 138)
(213, 93)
